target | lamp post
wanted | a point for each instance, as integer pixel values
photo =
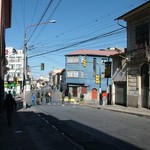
(99, 88)
(25, 50)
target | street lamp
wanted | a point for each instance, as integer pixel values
(100, 88)
(25, 50)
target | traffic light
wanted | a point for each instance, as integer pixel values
(84, 62)
(97, 81)
(42, 66)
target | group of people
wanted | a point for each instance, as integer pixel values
(39, 97)
(10, 104)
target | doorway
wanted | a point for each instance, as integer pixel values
(144, 85)
(74, 91)
(94, 94)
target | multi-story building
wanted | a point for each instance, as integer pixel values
(54, 78)
(5, 22)
(88, 72)
(138, 54)
(14, 77)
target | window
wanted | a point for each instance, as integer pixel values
(94, 66)
(11, 74)
(142, 34)
(82, 74)
(18, 66)
(19, 59)
(18, 74)
(12, 66)
(104, 60)
(72, 59)
(12, 59)
(73, 74)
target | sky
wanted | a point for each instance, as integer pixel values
(80, 24)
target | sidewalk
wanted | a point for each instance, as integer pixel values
(30, 132)
(15, 137)
(119, 108)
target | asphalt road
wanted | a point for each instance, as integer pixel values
(94, 129)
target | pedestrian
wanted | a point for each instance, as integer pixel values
(104, 97)
(9, 106)
(5, 94)
(69, 96)
(81, 97)
(63, 97)
(14, 93)
(42, 96)
(101, 99)
(33, 99)
(50, 96)
(38, 100)
(46, 97)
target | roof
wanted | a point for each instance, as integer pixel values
(139, 9)
(105, 53)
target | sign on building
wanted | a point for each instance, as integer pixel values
(107, 69)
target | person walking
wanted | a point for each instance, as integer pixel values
(50, 96)
(14, 93)
(9, 106)
(33, 99)
(42, 96)
(81, 97)
(38, 100)
(63, 97)
(104, 97)
(69, 96)
(47, 97)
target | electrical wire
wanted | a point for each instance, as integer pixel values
(40, 32)
(44, 13)
(81, 42)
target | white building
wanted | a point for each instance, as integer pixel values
(15, 60)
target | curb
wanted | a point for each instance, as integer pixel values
(118, 110)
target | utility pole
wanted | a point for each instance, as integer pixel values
(24, 71)
(25, 58)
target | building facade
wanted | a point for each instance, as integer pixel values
(88, 72)
(14, 77)
(55, 78)
(63, 85)
(119, 80)
(5, 22)
(138, 54)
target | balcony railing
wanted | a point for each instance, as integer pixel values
(139, 54)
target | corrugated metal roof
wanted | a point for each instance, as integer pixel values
(93, 52)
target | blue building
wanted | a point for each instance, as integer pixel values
(88, 72)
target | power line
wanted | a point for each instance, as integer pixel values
(56, 7)
(48, 6)
(81, 42)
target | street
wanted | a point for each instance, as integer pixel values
(94, 129)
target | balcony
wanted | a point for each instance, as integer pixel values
(140, 54)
